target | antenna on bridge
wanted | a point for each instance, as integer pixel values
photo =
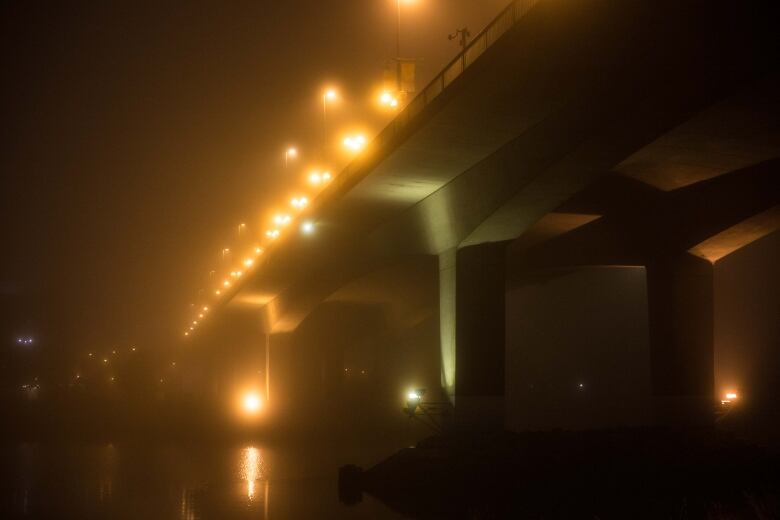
(464, 37)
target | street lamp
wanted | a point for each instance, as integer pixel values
(355, 142)
(330, 95)
(290, 153)
(398, 42)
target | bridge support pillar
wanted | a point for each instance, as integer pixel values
(681, 330)
(472, 333)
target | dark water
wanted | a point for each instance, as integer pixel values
(181, 482)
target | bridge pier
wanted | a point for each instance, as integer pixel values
(472, 333)
(681, 331)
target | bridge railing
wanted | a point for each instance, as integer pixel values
(475, 48)
(478, 45)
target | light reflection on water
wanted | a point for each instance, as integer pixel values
(190, 483)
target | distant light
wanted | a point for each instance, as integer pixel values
(90, 354)
(199, 316)
(205, 309)
(133, 348)
(387, 99)
(248, 262)
(226, 283)
(251, 402)
(307, 227)
(282, 219)
(173, 363)
(355, 143)
(113, 351)
(105, 360)
(186, 333)
(292, 152)
(299, 203)
(195, 322)
(325, 176)
(258, 250)
(112, 379)
(330, 94)
(413, 396)
(731, 395)
(217, 292)
(272, 234)
(192, 328)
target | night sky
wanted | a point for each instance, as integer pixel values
(137, 137)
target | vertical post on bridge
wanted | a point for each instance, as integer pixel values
(267, 366)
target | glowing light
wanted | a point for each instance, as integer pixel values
(307, 227)
(192, 328)
(226, 283)
(355, 143)
(195, 322)
(258, 250)
(186, 333)
(248, 262)
(205, 309)
(299, 203)
(251, 403)
(325, 176)
(105, 360)
(388, 100)
(133, 348)
(217, 292)
(315, 178)
(90, 354)
(199, 316)
(731, 395)
(282, 219)
(413, 396)
(330, 95)
(272, 234)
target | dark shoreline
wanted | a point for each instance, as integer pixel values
(617, 473)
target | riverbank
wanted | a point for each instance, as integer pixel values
(620, 473)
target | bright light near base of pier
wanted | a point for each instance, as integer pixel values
(250, 403)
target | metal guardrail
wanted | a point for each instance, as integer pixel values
(478, 45)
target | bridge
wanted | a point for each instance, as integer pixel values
(638, 138)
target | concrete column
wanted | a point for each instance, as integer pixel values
(472, 314)
(681, 326)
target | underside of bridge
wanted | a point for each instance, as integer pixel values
(580, 230)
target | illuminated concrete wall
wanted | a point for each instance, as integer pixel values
(472, 336)
(577, 350)
(447, 321)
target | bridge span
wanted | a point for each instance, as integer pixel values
(636, 138)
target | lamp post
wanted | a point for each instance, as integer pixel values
(329, 96)
(289, 153)
(398, 42)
